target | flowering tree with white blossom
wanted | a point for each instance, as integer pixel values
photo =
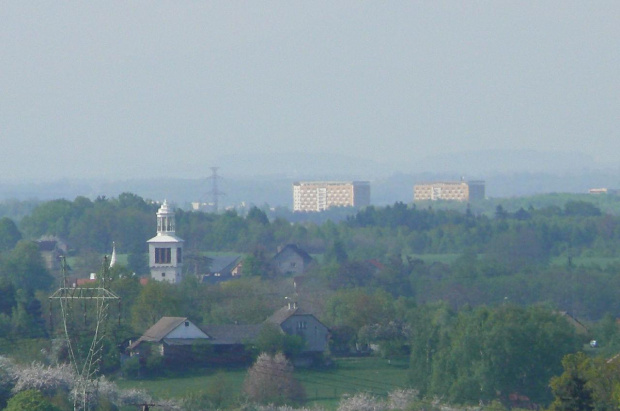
(52, 380)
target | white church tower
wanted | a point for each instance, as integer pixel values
(166, 249)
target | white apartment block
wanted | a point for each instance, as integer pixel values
(321, 195)
(451, 191)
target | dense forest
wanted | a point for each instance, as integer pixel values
(471, 294)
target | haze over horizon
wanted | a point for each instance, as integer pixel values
(119, 90)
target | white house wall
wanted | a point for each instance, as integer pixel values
(187, 331)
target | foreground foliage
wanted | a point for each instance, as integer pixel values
(486, 353)
(587, 384)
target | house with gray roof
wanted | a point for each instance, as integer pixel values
(175, 338)
(222, 268)
(171, 337)
(294, 320)
(291, 259)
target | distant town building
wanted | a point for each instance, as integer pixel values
(321, 195)
(449, 190)
(166, 249)
(603, 191)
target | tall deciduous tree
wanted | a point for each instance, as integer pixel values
(490, 353)
(156, 299)
(9, 234)
(24, 267)
(570, 389)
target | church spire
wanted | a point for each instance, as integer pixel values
(113, 258)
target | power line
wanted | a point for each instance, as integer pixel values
(215, 191)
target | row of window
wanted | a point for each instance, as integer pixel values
(164, 255)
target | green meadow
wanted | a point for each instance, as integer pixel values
(324, 387)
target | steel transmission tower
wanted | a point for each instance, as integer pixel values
(215, 193)
(84, 312)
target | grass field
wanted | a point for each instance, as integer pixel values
(323, 387)
(586, 261)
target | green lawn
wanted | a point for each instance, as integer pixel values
(323, 387)
(586, 261)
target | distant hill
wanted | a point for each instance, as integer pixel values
(489, 162)
(266, 179)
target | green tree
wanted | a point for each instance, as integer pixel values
(349, 310)
(7, 291)
(489, 353)
(571, 391)
(430, 325)
(24, 267)
(138, 263)
(581, 209)
(271, 340)
(337, 252)
(156, 299)
(258, 216)
(135, 202)
(256, 264)
(9, 234)
(518, 249)
(29, 400)
(52, 217)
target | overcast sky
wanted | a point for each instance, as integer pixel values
(118, 89)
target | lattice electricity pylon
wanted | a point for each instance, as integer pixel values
(85, 361)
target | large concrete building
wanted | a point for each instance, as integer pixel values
(450, 190)
(321, 195)
(166, 249)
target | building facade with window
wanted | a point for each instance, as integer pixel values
(321, 195)
(166, 249)
(451, 191)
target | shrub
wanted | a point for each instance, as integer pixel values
(29, 400)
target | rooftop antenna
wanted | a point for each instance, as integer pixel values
(215, 192)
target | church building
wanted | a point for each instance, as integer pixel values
(166, 249)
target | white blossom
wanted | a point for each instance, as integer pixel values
(168, 405)
(271, 379)
(401, 399)
(43, 378)
(133, 396)
(361, 402)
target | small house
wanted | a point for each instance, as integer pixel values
(293, 320)
(222, 268)
(291, 259)
(171, 337)
(177, 339)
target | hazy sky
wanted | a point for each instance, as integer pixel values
(119, 89)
